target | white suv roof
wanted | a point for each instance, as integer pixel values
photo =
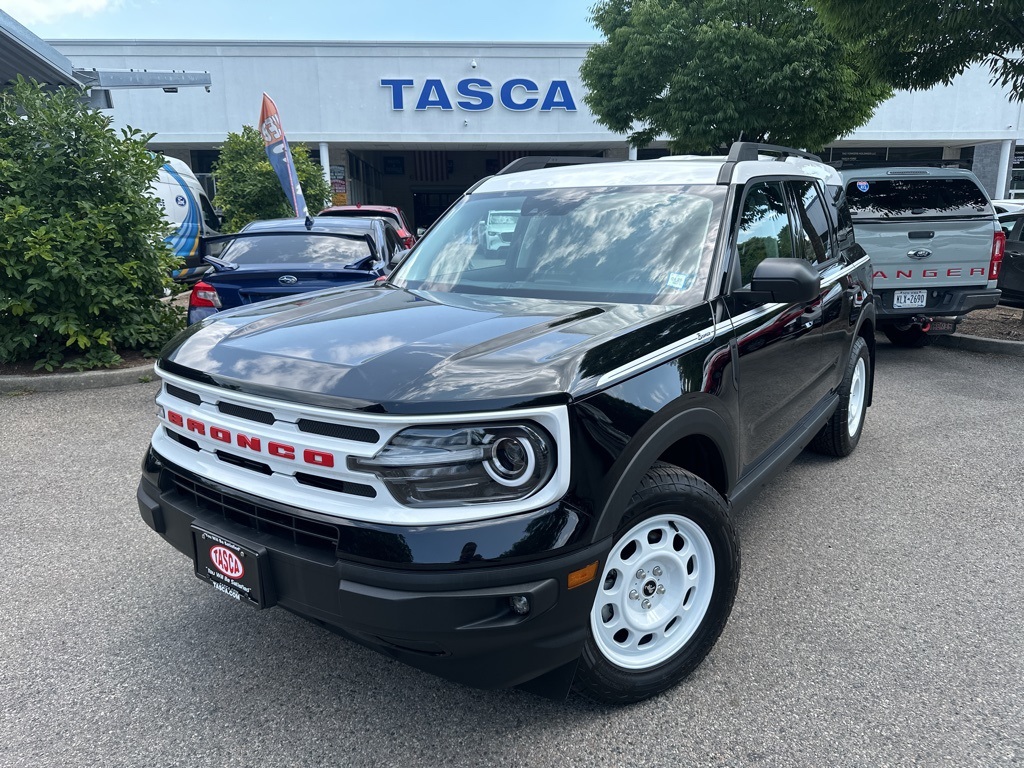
(675, 169)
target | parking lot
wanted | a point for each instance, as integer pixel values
(879, 619)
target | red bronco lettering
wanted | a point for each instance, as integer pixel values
(251, 443)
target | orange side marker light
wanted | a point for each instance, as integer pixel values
(583, 576)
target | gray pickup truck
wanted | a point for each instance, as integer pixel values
(934, 243)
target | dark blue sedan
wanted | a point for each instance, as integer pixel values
(281, 257)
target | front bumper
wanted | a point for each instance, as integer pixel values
(455, 621)
(942, 302)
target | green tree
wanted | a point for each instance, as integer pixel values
(921, 43)
(83, 263)
(708, 72)
(249, 190)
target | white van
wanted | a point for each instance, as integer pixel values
(188, 210)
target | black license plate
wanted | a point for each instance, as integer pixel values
(942, 328)
(236, 570)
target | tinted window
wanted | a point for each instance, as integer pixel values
(210, 218)
(815, 243)
(844, 224)
(641, 245)
(764, 231)
(1012, 226)
(394, 245)
(296, 249)
(888, 198)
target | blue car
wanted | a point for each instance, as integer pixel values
(281, 257)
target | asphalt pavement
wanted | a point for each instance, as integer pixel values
(879, 620)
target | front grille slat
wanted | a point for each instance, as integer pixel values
(238, 461)
(340, 486)
(186, 441)
(300, 531)
(183, 394)
(242, 412)
(340, 431)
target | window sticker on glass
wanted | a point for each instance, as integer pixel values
(863, 186)
(680, 281)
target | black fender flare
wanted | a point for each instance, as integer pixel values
(868, 313)
(653, 439)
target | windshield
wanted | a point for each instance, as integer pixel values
(640, 245)
(294, 248)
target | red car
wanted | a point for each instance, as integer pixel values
(387, 211)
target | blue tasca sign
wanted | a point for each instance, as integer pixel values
(475, 94)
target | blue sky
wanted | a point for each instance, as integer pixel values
(499, 20)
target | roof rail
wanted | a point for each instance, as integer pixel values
(475, 184)
(741, 151)
(537, 162)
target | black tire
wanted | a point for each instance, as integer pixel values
(667, 490)
(912, 337)
(835, 438)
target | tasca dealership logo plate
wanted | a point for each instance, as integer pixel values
(230, 568)
(227, 562)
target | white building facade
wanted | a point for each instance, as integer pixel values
(414, 124)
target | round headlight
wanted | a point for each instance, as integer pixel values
(512, 461)
(435, 466)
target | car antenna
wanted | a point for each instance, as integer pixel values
(309, 222)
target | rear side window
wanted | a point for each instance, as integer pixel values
(844, 225)
(814, 239)
(894, 198)
(394, 245)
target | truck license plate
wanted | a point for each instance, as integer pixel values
(909, 299)
(229, 567)
(942, 328)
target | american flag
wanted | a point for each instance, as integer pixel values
(431, 166)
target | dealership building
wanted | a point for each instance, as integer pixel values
(415, 124)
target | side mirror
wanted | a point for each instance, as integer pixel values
(421, 231)
(785, 281)
(399, 255)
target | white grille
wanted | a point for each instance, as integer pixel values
(286, 450)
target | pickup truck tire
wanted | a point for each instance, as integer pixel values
(666, 591)
(842, 431)
(911, 337)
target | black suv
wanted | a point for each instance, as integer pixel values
(512, 462)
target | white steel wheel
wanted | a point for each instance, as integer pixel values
(858, 386)
(654, 593)
(666, 590)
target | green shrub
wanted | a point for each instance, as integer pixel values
(83, 263)
(249, 190)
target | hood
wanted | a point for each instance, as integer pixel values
(391, 350)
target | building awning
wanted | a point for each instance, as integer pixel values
(23, 53)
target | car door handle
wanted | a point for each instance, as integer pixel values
(921, 234)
